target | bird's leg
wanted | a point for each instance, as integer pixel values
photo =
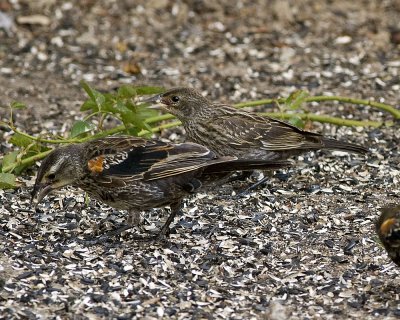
(252, 187)
(241, 177)
(255, 185)
(244, 192)
(175, 208)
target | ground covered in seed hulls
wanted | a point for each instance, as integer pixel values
(302, 247)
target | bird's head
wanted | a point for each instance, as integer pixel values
(62, 167)
(184, 103)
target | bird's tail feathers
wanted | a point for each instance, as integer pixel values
(344, 146)
(246, 165)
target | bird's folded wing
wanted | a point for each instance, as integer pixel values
(243, 131)
(119, 160)
(183, 158)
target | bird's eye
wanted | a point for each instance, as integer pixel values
(51, 176)
(175, 98)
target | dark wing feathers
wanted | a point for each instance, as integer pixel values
(190, 148)
(135, 161)
(114, 144)
(246, 165)
(183, 164)
(129, 158)
(267, 133)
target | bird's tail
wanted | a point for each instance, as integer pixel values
(344, 146)
(246, 165)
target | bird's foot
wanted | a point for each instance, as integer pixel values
(161, 236)
(108, 237)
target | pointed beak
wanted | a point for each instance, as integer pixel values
(39, 192)
(155, 101)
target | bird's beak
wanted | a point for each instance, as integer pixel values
(40, 190)
(155, 101)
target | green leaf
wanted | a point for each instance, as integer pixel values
(94, 95)
(17, 105)
(296, 99)
(10, 159)
(126, 92)
(20, 140)
(141, 91)
(7, 181)
(89, 105)
(80, 127)
(147, 127)
(297, 121)
(133, 131)
(129, 118)
(19, 167)
(121, 108)
(88, 89)
(110, 96)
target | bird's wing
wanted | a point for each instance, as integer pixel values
(242, 130)
(120, 160)
(183, 158)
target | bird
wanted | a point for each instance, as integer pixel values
(137, 174)
(388, 230)
(229, 131)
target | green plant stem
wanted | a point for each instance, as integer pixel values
(382, 106)
(38, 139)
(28, 160)
(325, 119)
(159, 118)
(162, 127)
(104, 133)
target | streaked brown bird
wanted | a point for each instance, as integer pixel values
(229, 131)
(388, 229)
(136, 174)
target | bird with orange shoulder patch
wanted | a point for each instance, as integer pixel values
(388, 229)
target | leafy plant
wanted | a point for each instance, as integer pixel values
(136, 119)
(121, 105)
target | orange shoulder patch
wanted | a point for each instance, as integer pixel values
(96, 165)
(387, 225)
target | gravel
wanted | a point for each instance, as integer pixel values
(303, 247)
